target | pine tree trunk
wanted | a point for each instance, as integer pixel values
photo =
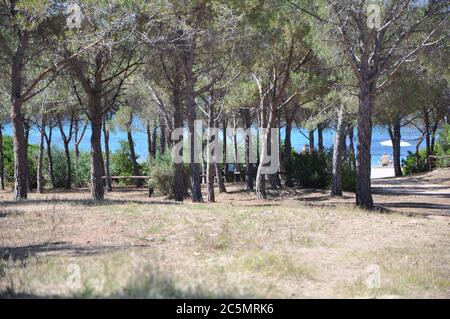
(107, 156)
(224, 138)
(352, 146)
(220, 181)
(2, 163)
(249, 168)
(363, 182)
(27, 137)
(211, 160)
(311, 141)
(40, 177)
(51, 172)
(97, 167)
(395, 134)
(338, 148)
(287, 157)
(162, 137)
(154, 137)
(320, 137)
(194, 168)
(17, 118)
(149, 139)
(179, 187)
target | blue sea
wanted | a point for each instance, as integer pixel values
(379, 135)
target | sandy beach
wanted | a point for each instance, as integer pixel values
(382, 172)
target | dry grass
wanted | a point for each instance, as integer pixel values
(130, 246)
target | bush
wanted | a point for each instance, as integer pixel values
(162, 175)
(311, 170)
(81, 170)
(8, 160)
(121, 164)
(414, 164)
(348, 176)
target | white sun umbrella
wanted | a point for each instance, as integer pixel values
(389, 143)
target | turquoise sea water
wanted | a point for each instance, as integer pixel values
(380, 134)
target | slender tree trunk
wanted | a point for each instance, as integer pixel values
(27, 137)
(260, 178)
(395, 134)
(351, 146)
(134, 163)
(220, 181)
(40, 177)
(2, 165)
(162, 136)
(17, 118)
(249, 168)
(194, 168)
(77, 141)
(224, 138)
(426, 118)
(210, 165)
(237, 166)
(107, 156)
(154, 137)
(179, 187)
(363, 182)
(51, 172)
(66, 142)
(97, 168)
(149, 139)
(288, 153)
(311, 141)
(339, 140)
(320, 137)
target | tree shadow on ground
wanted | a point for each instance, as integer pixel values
(22, 253)
(86, 202)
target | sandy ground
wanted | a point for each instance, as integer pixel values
(297, 244)
(382, 172)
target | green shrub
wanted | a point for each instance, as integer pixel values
(311, 170)
(161, 173)
(348, 176)
(81, 169)
(121, 164)
(414, 164)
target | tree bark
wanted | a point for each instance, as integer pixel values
(194, 168)
(339, 140)
(311, 141)
(66, 142)
(220, 181)
(107, 156)
(48, 139)
(224, 138)
(179, 187)
(237, 166)
(249, 168)
(363, 168)
(210, 165)
(162, 136)
(395, 134)
(320, 137)
(2, 165)
(27, 137)
(17, 118)
(40, 177)
(287, 157)
(352, 146)
(97, 190)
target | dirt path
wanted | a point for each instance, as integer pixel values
(427, 194)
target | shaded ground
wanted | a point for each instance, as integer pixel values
(298, 244)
